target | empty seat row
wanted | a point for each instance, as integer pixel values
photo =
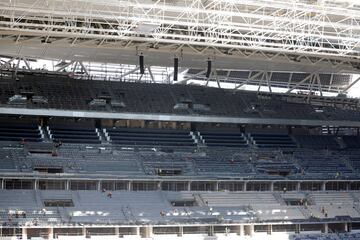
(20, 132)
(352, 141)
(74, 135)
(223, 139)
(140, 136)
(272, 140)
(317, 141)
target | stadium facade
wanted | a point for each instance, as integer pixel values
(151, 150)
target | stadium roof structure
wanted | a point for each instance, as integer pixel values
(306, 36)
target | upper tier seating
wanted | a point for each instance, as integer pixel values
(149, 137)
(223, 139)
(73, 134)
(317, 141)
(62, 92)
(20, 132)
(272, 108)
(272, 140)
(340, 114)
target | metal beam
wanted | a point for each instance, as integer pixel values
(316, 32)
(84, 68)
(217, 79)
(301, 82)
(129, 72)
(172, 117)
(208, 78)
(151, 74)
(64, 66)
(26, 63)
(74, 67)
(319, 84)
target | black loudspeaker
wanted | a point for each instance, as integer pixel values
(141, 63)
(176, 66)
(208, 69)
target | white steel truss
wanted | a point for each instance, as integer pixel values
(288, 81)
(307, 31)
(90, 70)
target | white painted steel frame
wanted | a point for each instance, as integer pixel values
(313, 31)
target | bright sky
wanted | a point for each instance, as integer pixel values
(355, 90)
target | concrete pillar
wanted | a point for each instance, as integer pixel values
(249, 230)
(269, 229)
(245, 186)
(346, 227)
(99, 185)
(129, 185)
(252, 230)
(117, 232)
(216, 186)
(241, 230)
(84, 231)
(211, 230)
(51, 233)
(181, 231)
(2, 183)
(323, 186)
(298, 186)
(24, 234)
(147, 231)
(150, 231)
(326, 228)
(158, 185)
(36, 183)
(137, 231)
(67, 185)
(271, 186)
(189, 186)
